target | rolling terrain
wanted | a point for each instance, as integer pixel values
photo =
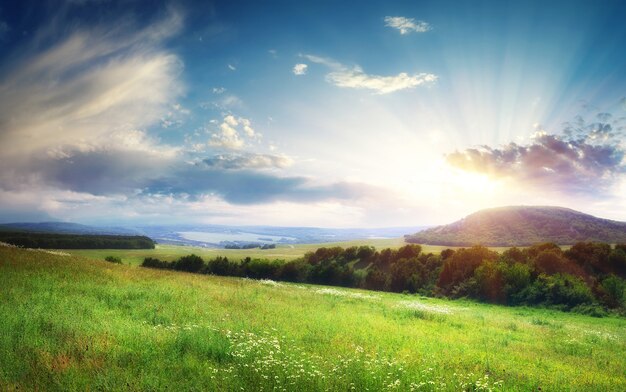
(523, 226)
(121, 327)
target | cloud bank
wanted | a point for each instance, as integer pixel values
(587, 159)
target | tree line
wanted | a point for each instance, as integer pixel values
(75, 241)
(587, 278)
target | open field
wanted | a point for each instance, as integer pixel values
(72, 323)
(282, 252)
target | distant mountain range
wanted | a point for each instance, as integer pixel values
(523, 225)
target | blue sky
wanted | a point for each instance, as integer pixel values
(309, 113)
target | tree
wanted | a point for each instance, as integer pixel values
(617, 260)
(461, 265)
(190, 263)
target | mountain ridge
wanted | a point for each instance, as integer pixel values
(523, 226)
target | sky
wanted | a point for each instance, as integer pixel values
(312, 113)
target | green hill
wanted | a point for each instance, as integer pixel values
(521, 226)
(71, 323)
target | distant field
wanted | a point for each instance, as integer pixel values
(71, 323)
(282, 252)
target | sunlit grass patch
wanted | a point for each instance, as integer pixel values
(70, 323)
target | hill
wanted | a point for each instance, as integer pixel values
(29, 239)
(522, 226)
(65, 228)
(71, 323)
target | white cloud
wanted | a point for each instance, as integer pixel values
(72, 116)
(230, 120)
(229, 135)
(226, 102)
(218, 90)
(175, 117)
(354, 77)
(232, 67)
(248, 161)
(300, 69)
(407, 25)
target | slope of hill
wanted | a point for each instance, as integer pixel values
(523, 225)
(65, 228)
(70, 323)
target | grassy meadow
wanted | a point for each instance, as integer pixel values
(73, 323)
(281, 252)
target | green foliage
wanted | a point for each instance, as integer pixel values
(617, 259)
(75, 241)
(459, 267)
(560, 289)
(113, 259)
(615, 289)
(592, 256)
(191, 263)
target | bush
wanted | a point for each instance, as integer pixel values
(564, 289)
(190, 263)
(113, 259)
(593, 310)
(615, 291)
(221, 266)
(155, 263)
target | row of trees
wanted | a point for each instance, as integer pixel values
(587, 277)
(76, 241)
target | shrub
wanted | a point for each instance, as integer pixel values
(564, 289)
(293, 271)
(190, 263)
(615, 291)
(155, 263)
(593, 310)
(113, 259)
(221, 266)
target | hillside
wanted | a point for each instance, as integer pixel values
(65, 228)
(28, 239)
(521, 226)
(71, 323)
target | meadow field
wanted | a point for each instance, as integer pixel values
(72, 323)
(281, 252)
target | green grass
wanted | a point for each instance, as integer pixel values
(282, 252)
(71, 323)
